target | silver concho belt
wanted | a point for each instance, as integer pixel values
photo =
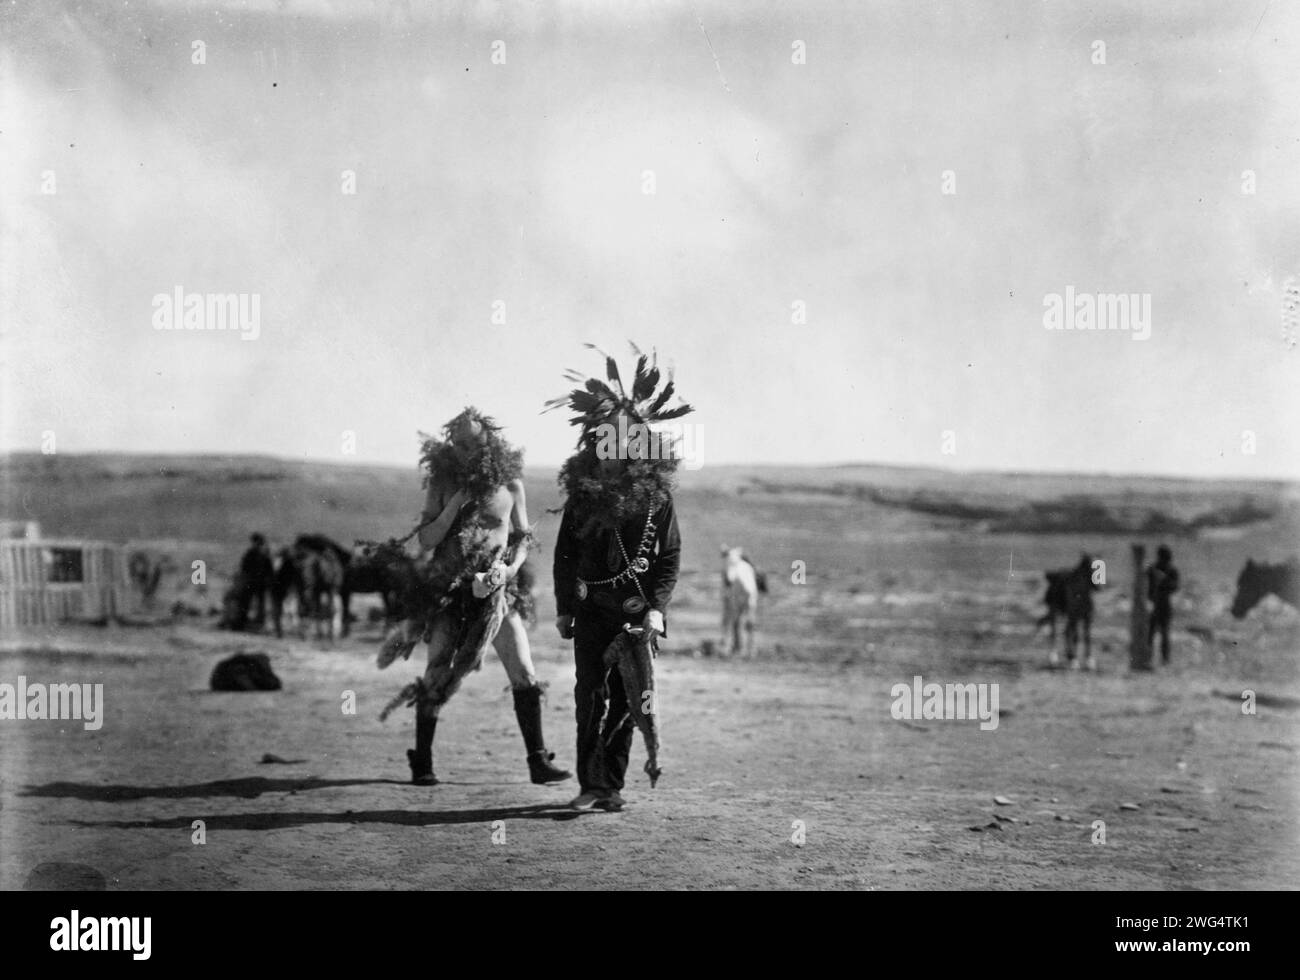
(631, 605)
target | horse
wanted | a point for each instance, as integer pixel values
(1258, 580)
(1069, 594)
(1054, 597)
(284, 580)
(389, 579)
(741, 585)
(145, 572)
(321, 575)
(319, 542)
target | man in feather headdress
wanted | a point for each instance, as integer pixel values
(616, 556)
(472, 589)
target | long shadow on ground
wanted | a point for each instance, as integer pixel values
(248, 788)
(403, 818)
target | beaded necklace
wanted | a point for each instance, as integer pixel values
(634, 566)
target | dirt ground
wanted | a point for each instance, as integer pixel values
(867, 591)
(754, 752)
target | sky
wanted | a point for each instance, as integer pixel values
(756, 190)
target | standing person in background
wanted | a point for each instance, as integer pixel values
(256, 571)
(1162, 583)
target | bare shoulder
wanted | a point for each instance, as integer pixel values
(435, 496)
(518, 505)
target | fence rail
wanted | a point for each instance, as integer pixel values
(59, 579)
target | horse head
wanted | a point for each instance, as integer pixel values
(1251, 588)
(286, 568)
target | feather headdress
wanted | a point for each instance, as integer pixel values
(597, 498)
(598, 402)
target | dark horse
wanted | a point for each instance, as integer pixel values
(1054, 597)
(391, 579)
(1069, 594)
(321, 565)
(1257, 581)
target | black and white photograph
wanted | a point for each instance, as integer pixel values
(691, 445)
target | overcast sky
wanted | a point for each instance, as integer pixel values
(775, 183)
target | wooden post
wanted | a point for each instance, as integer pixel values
(1139, 647)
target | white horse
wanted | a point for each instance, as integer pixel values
(741, 584)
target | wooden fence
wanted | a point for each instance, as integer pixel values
(57, 580)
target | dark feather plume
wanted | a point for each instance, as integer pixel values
(596, 402)
(586, 401)
(651, 383)
(640, 383)
(674, 413)
(598, 387)
(611, 369)
(662, 400)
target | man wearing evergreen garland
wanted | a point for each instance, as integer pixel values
(472, 589)
(616, 557)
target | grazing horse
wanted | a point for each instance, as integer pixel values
(390, 579)
(285, 579)
(1069, 594)
(321, 575)
(1257, 581)
(741, 585)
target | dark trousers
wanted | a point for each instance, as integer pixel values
(252, 605)
(600, 703)
(1160, 618)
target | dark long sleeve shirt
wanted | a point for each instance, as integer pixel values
(257, 567)
(1162, 583)
(597, 557)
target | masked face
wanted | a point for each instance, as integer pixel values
(467, 437)
(611, 465)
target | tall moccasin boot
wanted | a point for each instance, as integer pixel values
(528, 710)
(421, 757)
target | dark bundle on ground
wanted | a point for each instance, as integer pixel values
(245, 672)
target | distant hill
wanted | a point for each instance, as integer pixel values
(223, 498)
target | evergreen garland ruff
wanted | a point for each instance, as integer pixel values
(429, 585)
